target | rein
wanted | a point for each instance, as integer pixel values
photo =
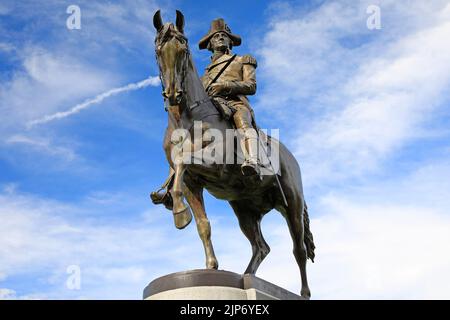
(165, 35)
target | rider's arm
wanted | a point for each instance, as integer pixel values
(246, 86)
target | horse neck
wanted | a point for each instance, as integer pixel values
(194, 92)
(194, 86)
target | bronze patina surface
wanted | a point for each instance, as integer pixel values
(187, 99)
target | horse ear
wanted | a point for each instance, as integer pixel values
(157, 21)
(180, 21)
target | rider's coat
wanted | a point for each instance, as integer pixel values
(239, 78)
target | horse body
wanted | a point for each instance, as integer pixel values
(187, 101)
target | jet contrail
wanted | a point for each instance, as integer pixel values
(150, 81)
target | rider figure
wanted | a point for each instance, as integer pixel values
(237, 80)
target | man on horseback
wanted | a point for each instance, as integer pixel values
(188, 100)
(228, 79)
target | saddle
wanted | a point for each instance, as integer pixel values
(223, 107)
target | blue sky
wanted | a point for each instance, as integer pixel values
(365, 112)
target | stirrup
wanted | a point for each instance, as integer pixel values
(249, 168)
(164, 198)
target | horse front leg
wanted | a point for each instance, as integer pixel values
(181, 212)
(194, 197)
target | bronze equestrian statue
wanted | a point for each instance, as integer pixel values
(219, 101)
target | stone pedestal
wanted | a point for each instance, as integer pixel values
(214, 285)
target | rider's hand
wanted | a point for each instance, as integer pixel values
(220, 88)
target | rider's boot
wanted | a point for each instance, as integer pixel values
(162, 195)
(249, 143)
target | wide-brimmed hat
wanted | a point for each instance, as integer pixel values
(217, 26)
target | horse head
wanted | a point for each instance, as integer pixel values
(172, 55)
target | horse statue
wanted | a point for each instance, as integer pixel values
(187, 103)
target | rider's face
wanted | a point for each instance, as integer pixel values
(220, 41)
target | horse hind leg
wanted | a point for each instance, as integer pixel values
(294, 218)
(194, 197)
(250, 223)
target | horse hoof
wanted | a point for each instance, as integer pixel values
(306, 294)
(212, 264)
(182, 218)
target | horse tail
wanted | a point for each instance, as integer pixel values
(309, 241)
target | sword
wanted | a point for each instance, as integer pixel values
(273, 170)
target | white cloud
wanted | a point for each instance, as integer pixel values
(45, 83)
(38, 236)
(386, 241)
(357, 101)
(117, 258)
(57, 71)
(379, 240)
(6, 47)
(6, 294)
(374, 242)
(127, 23)
(43, 146)
(382, 251)
(357, 98)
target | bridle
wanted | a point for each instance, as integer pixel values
(163, 37)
